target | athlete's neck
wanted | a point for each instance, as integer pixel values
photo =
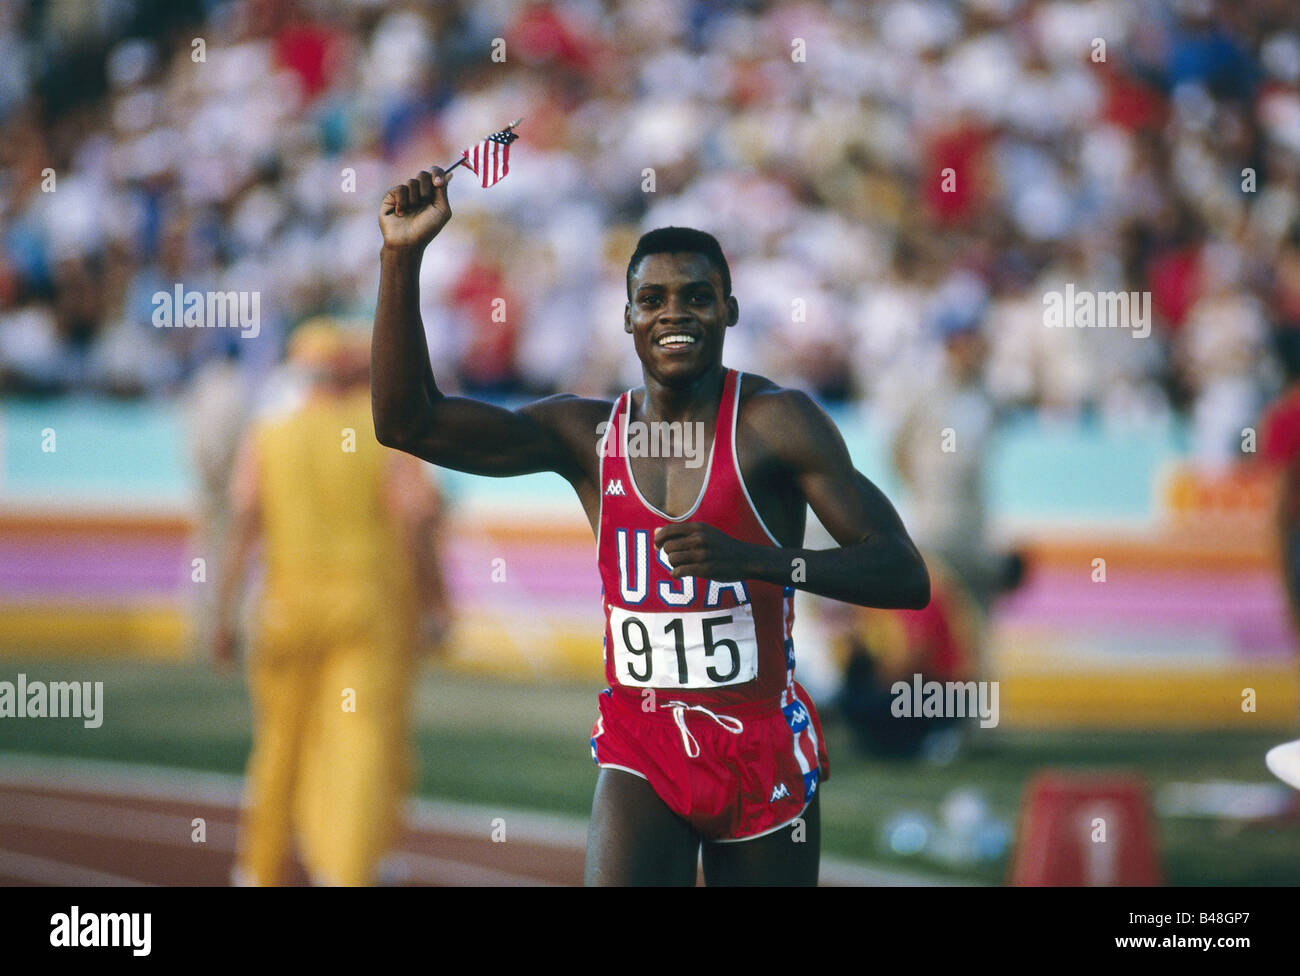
(694, 401)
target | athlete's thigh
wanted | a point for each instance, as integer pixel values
(789, 856)
(634, 838)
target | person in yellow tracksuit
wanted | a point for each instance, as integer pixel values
(347, 528)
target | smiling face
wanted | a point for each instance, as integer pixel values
(678, 316)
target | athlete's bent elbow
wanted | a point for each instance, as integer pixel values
(387, 435)
(395, 436)
(919, 589)
(396, 426)
(911, 580)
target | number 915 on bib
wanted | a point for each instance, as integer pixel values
(704, 649)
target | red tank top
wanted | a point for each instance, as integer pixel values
(711, 642)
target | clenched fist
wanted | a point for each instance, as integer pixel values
(700, 550)
(415, 211)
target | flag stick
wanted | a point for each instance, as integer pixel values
(464, 159)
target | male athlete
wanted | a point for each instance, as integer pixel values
(703, 736)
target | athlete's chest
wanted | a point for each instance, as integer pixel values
(655, 473)
(671, 470)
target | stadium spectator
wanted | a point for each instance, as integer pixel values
(878, 648)
(229, 172)
(1279, 448)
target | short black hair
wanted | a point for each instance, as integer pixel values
(666, 240)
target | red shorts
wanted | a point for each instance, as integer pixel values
(733, 773)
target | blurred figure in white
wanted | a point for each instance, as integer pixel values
(939, 448)
(216, 413)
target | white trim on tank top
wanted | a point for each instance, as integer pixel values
(735, 462)
(600, 475)
(627, 462)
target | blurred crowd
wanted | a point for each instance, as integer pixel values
(1145, 146)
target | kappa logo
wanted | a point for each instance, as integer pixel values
(779, 792)
(797, 716)
(615, 487)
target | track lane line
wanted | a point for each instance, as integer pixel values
(422, 816)
(47, 871)
(438, 870)
(87, 817)
(128, 823)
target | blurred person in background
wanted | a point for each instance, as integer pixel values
(352, 588)
(1219, 356)
(940, 447)
(878, 648)
(1279, 448)
(217, 414)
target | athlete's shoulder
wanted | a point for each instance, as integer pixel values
(787, 422)
(566, 408)
(577, 422)
(766, 403)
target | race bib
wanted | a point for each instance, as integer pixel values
(704, 649)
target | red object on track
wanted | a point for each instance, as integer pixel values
(1085, 830)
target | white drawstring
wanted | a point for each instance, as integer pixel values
(728, 722)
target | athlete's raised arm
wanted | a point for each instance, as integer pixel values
(411, 414)
(876, 564)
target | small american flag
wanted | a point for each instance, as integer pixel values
(490, 159)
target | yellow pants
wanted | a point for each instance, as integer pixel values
(331, 756)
